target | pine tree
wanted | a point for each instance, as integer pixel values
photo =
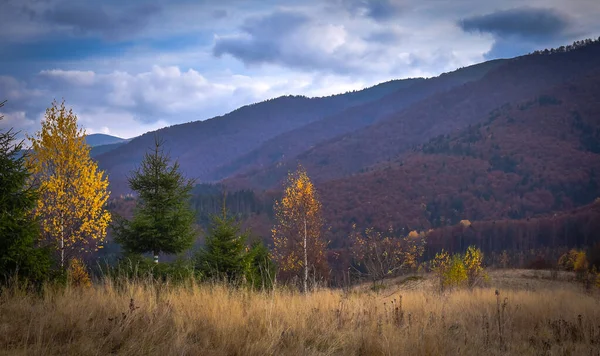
(163, 220)
(224, 256)
(73, 192)
(19, 231)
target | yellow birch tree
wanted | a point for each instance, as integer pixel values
(73, 192)
(299, 247)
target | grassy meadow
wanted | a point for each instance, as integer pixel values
(533, 314)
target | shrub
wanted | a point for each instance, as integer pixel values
(456, 275)
(78, 275)
(458, 270)
(473, 261)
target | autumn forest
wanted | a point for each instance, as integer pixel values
(457, 214)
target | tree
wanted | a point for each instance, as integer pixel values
(262, 270)
(73, 192)
(384, 255)
(163, 220)
(224, 255)
(297, 234)
(19, 231)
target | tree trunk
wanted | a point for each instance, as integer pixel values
(62, 245)
(305, 259)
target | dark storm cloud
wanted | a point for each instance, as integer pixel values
(521, 30)
(521, 22)
(92, 18)
(262, 39)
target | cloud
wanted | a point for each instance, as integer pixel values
(378, 10)
(520, 30)
(521, 22)
(84, 18)
(297, 41)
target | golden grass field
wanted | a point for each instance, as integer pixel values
(533, 315)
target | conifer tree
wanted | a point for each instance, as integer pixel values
(163, 220)
(73, 192)
(224, 255)
(262, 269)
(19, 231)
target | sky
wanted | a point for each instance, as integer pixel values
(129, 67)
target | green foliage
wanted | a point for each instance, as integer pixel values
(137, 267)
(224, 255)
(19, 231)
(163, 220)
(262, 270)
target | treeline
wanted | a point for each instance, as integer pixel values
(572, 47)
(208, 199)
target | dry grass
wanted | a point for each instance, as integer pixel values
(552, 318)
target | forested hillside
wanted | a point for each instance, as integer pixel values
(439, 114)
(286, 146)
(201, 146)
(527, 158)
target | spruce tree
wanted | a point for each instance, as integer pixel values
(163, 220)
(19, 231)
(262, 270)
(224, 255)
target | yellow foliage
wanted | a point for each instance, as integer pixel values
(413, 234)
(574, 260)
(465, 223)
(456, 274)
(473, 262)
(456, 270)
(298, 217)
(73, 192)
(78, 275)
(581, 263)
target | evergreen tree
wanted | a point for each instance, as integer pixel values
(262, 270)
(163, 220)
(224, 255)
(18, 229)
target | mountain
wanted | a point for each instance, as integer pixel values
(527, 158)
(201, 146)
(101, 139)
(439, 114)
(289, 144)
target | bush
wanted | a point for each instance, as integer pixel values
(458, 270)
(78, 275)
(473, 262)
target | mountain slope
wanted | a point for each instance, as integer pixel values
(201, 146)
(531, 157)
(101, 139)
(441, 113)
(291, 143)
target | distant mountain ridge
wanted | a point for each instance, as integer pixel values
(102, 139)
(201, 146)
